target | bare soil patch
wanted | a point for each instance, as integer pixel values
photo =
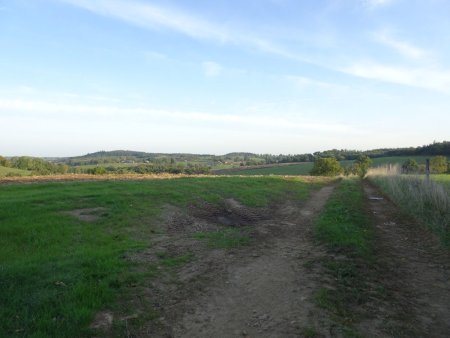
(263, 289)
(87, 214)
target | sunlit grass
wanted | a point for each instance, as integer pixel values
(426, 200)
(56, 271)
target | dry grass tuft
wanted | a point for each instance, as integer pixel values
(426, 200)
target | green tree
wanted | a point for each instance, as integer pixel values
(362, 165)
(438, 165)
(4, 162)
(410, 166)
(327, 166)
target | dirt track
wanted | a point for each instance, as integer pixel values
(415, 272)
(260, 290)
(266, 289)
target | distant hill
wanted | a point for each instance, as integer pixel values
(247, 158)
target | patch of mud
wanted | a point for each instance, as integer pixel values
(209, 217)
(87, 214)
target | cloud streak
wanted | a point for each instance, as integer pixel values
(374, 4)
(433, 79)
(77, 110)
(157, 17)
(404, 48)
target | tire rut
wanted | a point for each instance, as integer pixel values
(416, 271)
(266, 291)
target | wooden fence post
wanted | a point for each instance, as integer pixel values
(427, 169)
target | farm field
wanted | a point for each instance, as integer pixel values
(305, 168)
(291, 256)
(5, 171)
(444, 178)
(284, 169)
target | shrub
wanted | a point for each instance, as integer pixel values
(439, 164)
(327, 166)
(361, 165)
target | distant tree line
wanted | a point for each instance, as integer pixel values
(201, 163)
(249, 159)
(189, 169)
(37, 166)
(438, 165)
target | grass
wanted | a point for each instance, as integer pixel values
(343, 225)
(345, 229)
(443, 178)
(5, 171)
(57, 271)
(225, 239)
(293, 169)
(426, 201)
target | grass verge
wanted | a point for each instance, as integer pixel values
(427, 201)
(345, 229)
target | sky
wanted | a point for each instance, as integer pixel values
(201, 76)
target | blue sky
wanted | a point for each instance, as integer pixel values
(265, 76)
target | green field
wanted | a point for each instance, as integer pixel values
(444, 178)
(13, 171)
(305, 168)
(398, 160)
(57, 270)
(294, 169)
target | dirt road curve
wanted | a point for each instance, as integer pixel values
(268, 293)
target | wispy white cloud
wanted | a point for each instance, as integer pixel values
(212, 69)
(374, 4)
(304, 82)
(403, 47)
(152, 55)
(158, 17)
(93, 111)
(434, 79)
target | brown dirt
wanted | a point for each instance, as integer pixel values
(267, 288)
(87, 214)
(415, 272)
(260, 290)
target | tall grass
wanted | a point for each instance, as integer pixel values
(426, 200)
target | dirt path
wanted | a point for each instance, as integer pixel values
(260, 290)
(416, 275)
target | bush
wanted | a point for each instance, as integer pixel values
(361, 165)
(327, 166)
(439, 165)
(410, 166)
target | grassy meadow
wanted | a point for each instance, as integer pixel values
(4, 171)
(293, 169)
(303, 169)
(57, 270)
